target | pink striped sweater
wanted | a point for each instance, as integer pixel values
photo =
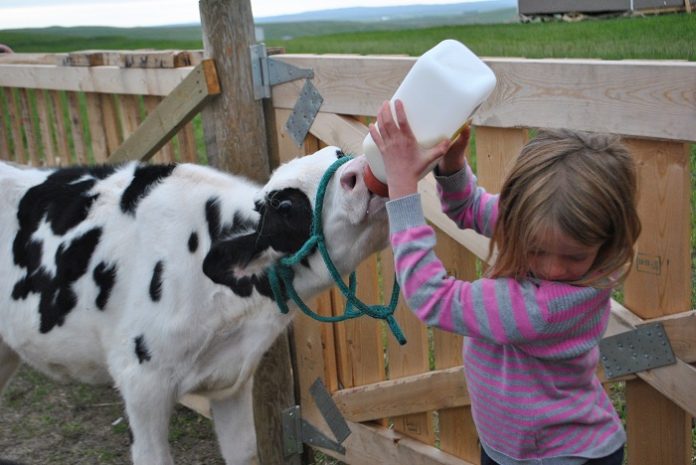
(532, 347)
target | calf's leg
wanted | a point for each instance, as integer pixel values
(234, 426)
(149, 404)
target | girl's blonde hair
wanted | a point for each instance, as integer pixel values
(581, 183)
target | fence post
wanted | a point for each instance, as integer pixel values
(235, 138)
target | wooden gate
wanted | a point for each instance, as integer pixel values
(409, 405)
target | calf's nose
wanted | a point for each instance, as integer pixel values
(351, 174)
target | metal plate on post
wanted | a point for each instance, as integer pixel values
(304, 112)
(329, 410)
(292, 431)
(644, 348)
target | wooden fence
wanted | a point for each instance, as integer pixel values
(409, 404)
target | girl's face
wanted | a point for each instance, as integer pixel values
(557, 257)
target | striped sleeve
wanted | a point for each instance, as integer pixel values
(503, 311)
(467, 204)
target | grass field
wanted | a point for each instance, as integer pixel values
(653, 37)
(656, 37)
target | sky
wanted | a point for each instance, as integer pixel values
(131, 13)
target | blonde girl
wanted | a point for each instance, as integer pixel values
(563, 227)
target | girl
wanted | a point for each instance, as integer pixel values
(563, 226)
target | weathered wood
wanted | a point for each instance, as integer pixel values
(4, 133)
(13, 112)
(102, 79)
(175, 110)
(77, 128)
(430, 390)
(233, 122)
(594, 95)
(235, 139)
(496, 150)
(46, 138)
(63, 149)
(28, 127)
(112, 132)
(369, 444)
(95, 119)
(659, 284)
(408, 360)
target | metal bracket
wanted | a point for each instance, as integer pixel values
(644, 348)
(297, 430)
(304, 112)
(267, 72)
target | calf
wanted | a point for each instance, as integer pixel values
(154, 278)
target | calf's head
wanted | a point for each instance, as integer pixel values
(354, 224)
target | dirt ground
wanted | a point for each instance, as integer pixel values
(42, 423)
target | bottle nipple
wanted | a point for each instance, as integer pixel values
(373, 184)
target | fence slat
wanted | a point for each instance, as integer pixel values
(28, 127)
(14, 112)
(45, 128)
(4, 133)
(63, 156)
(458, 434)
(659, 284)
(407, 360)
(110, 118)
(77, 128)
(187, 144)
(95, 119)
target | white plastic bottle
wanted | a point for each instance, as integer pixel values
(440, 93)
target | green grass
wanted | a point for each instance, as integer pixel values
(653, 37)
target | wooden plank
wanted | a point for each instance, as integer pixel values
(172, 113)
(33, 58)
(110, 119)
(659, 283)
(458, 434)
(101, 79)
(4, 129)
(341, 131)
(28, 127)
(473, 241)
(45, 130)
(359, 341)
(530, 93)
(63, 155)
(411, 359)
(369, 445)
(496, 150)
(166, 153)
(187, 144)
(422, 392)
(14, 111)
(77, 128)
(95, 119)
(129, 118)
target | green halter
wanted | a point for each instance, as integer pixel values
(282, 271)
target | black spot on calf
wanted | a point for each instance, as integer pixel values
(141, 350)
(156, 282)
(57, 295)
(193, 242)
(145, 178)
(105, 278)
(285, 225)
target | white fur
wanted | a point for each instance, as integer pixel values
(203, 337)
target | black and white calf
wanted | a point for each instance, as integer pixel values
(153, 278)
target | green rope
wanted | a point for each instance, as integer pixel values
(282, 272)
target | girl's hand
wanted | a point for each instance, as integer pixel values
(455, 158)
(405, 161)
